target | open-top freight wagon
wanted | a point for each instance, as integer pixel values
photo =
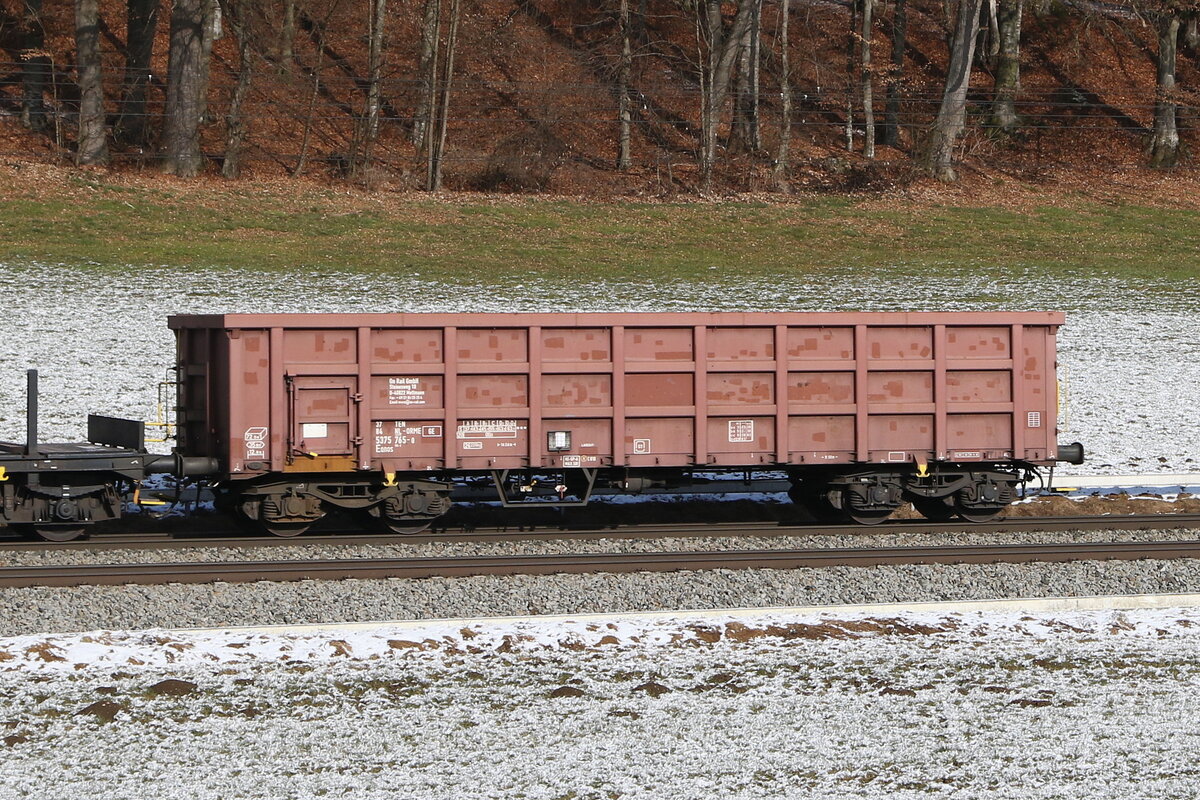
(293, 415)
(382, 412)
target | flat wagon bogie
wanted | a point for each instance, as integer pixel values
(58, 490)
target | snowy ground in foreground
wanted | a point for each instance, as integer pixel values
(997, 705)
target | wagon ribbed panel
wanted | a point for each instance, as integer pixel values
(406, 392)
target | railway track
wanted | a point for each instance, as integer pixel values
(166, 540)
(248, 571)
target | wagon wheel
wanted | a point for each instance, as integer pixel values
(407, 527)
(871, 517)
(52, 533)
(934, 509)
(286, 530)
(373, 519)
(978, 514)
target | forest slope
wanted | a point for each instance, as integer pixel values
(537, 85)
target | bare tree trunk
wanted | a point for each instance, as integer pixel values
(725, 51)
(437, 153)
(186, 85)
(722, 55)
(235, 122)
(35, 67)
(369, 124)
(868, 95)
(93, 144)
(745, 133)
(1008, 66)
(891, 113)
(851, 69)
(432, 81)
(993, 29)
(710, 116)
(739, 131)
(624, 115)
(212, 32)
(431, 24)
(302, 161)
(785, 94)
(287, 36)
(755, 127)
(1191, 34)
(951, 115)
(1163, 149)
(141, 22)
(704, 72)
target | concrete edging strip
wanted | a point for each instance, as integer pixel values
(1030, 604)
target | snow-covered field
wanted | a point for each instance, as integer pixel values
(99, 336)
(982, 704)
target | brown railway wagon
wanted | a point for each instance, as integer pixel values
(402, 401)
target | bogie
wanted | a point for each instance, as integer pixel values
(870, 497)
(289, 509)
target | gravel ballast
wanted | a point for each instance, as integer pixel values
(263, 603)
(24, 611)
(48, 555)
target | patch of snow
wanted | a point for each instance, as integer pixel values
(999, 705)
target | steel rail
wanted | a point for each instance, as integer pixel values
(236, 539)
(248, 571)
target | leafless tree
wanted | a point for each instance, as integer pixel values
(238, 16)
(851, 70)
(322, 28)
(891, 113)
(287, 36)
(868, 95)
(436, 149)
(1163, 148)
(211, 32)
(187, 84)
(141, 23)
(35, 67)
(746, 134)
(785, 93)
(952, 113)
(722, 49)
(431, 23)
(367, 130)
(1008, 65)
(624, 112)
(93, 141)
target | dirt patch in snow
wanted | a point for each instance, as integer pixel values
(1114, 505)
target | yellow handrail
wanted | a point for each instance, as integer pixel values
(1062, 396)
(163, 418)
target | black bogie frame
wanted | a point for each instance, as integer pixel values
(287, 504)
